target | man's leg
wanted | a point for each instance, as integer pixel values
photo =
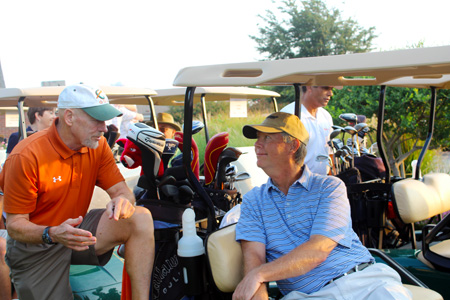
(5, 281)
(138, 236)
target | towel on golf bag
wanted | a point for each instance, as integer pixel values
(370, 167)
(350, 176)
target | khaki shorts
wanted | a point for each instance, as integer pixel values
(41, 271)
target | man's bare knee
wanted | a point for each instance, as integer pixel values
(142, 220)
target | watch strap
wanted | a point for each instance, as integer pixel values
(46, 236)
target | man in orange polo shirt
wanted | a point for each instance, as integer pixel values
(48, 181)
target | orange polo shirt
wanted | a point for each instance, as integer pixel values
(42, 177)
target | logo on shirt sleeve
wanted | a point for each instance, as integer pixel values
(55, 179)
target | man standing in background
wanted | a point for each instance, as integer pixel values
(317, 122)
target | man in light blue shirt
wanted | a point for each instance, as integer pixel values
(296, 229)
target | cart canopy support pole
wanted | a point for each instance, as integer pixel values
(205, 117)
(297, 110)
(381, 103)
(430, 132)
(22, 125)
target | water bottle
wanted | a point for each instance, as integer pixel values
(191, 253)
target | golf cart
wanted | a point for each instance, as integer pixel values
(340, 70)
(422, 198)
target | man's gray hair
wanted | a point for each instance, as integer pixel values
(300, 154)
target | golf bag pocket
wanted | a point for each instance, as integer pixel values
(224, 199)
(167, 277)
(163, 210)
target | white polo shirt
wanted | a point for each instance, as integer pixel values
(319, 129)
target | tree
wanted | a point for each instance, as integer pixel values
(406, 118)
(312, 31)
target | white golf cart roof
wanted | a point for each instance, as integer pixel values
(48, 96)
(439, 82)
(175, 96)
(337, 70)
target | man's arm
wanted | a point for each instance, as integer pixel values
(254, 256)
(122, 201)
(299, 261)
(21, 229)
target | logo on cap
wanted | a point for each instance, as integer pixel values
(99, 93)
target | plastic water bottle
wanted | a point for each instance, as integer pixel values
(191, 252)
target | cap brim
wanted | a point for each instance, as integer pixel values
(103, 112)
(176, 126)
(250, 131)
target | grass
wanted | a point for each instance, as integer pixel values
(223, 123)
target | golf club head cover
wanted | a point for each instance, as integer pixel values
(226, 156)
(169, 151)
(212, 151)
(151, 142)
(195, 165)
(131, 156)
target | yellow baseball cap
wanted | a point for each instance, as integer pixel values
(276, 123)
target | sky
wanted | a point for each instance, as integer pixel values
(145, 43)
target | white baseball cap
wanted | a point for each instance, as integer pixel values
(90, 99)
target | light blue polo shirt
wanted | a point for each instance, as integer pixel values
(315, 204)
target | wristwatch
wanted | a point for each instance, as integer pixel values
(46, 237)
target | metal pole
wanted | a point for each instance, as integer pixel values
(381, 103)
(2, 80)
(22, 126)
(152, 111)
(430, 132)
(275, 104)
(205, 118)
(187, 143)
(297, 110)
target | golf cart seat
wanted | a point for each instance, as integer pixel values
(415, 200)
(226, 264)
(441, 183)
(436, 237)
(420, 293)
(436, 256)
(224, 257)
